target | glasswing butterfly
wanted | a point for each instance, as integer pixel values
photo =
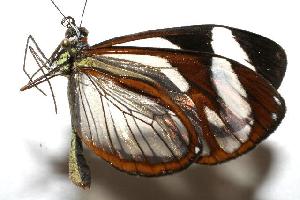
(205, 95)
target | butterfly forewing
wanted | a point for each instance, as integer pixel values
(231, 107)
(253, 51)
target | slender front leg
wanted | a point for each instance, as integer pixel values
(79, 171)
(35, 55)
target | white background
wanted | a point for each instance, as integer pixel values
(34, 140)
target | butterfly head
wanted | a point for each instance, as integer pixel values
(75, 36)
(78, 32)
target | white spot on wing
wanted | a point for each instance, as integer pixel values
(277, 100)
(274, 116)
(229, 88)
(205, 148)
(197, 150)
(213, 118)
(226, 45)
(226, 142)
(177, 79)
(243, 134)
(222, 70)
(155, 42)
(154, 61)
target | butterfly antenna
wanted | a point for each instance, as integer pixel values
(58, 8)
(83, 12)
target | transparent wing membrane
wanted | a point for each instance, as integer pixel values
(127, 126)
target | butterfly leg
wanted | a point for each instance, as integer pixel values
(79, 171)
(30, 40)
(42, 62)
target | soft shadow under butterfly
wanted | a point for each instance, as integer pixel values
(205, 95)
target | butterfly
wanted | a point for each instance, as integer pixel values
(205, 94)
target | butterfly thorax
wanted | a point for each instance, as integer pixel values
(75, 40)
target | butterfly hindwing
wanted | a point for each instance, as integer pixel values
(137, 133)
(233, 107)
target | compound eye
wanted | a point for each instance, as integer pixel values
(65, 43)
